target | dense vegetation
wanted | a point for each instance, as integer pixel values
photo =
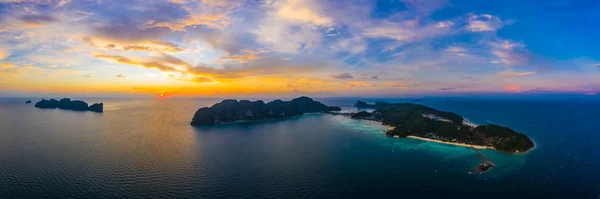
(67, 104)
(234, 110)
(419, 120)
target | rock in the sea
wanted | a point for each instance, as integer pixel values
(75, 105)
(98, 107)
(28, 102)
(67, 104)
(233, 110)
(52, 103)
(484, 167)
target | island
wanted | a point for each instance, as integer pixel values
(426, 123)
(67, 104)
(28, 102)
(231, 110)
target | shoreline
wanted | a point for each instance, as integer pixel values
(451, 143)
(388, 127)
(532, 148)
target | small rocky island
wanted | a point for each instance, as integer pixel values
(231, 110)
(67, 104)
(424, 122)
(28, 102)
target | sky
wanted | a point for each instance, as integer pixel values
(218, 48)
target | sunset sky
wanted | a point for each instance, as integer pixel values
(298, 47)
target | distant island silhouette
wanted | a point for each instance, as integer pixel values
(67, 104)
(231, 110)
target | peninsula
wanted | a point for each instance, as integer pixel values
(426, 123)
(67, 104)
(231, 110)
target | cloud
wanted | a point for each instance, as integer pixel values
(126, 31)
(597, 65)
(342, 76)
(408, 33)
(352, 45)
(426, 6)
(483, 23)
(508, 53)
(446, 89)
(248, 55)
(3, 54)
(285, 37)
(358, 84)
(301, 11)
(265, 67)
(166, 63)
(471, 79)
(513, 88)
(11, 1)
(154, 46)
(291, 26)
(37, 20)
(119, 76)
(519, 74)
(394, 85)
(455, 49)
(10, 70)
(209, 13)
(195, 79)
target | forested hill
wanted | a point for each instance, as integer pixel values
(234, 110)
(419, 120)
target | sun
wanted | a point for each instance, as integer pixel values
(162, 95)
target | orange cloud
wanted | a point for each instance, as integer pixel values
(3, 54)
(244, 58)
(513, 88)
(358, 84)
(394, 84)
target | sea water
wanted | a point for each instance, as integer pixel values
(146, 148)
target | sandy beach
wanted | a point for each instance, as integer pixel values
(388, 127)
(452, 143)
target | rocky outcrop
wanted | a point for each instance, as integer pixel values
(98, 107)
(67, 104)
(233, 110)
(52, 103)
(76, 105)
(28, 102)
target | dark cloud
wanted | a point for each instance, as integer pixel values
(119, 76)
(342, 76)
(471, 79)
(126, 30)
(446, 89)
(37, 19)
(156, 64)
(375, 77)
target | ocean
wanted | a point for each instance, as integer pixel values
(146, 148)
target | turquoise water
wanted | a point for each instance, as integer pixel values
(146, 148)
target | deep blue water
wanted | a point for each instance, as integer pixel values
(146, 148)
